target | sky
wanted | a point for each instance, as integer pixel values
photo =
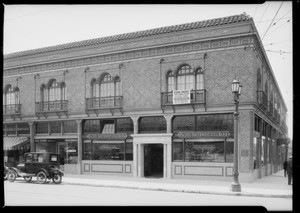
(34, 26)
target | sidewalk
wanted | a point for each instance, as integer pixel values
(274, 185)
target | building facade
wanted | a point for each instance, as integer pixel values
(150, 103)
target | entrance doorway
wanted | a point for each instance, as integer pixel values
(153, 160)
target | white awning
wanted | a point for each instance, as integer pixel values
(11, 143)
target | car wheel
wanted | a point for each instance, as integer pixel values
(27, 179)
(11, 176)
(41, 177)
(57, 178)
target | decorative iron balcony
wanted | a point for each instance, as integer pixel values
(51, 106)
(262, 100)
(197, 97)
(110, 102)
(12, 109)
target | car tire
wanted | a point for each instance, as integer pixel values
(41, 177)
(57, 178)
(27, 179)
(11, 176)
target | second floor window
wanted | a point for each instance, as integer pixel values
(11, 95)
(185, 78)
(106, 86)
(53, 91)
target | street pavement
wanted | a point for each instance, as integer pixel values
(274, 185)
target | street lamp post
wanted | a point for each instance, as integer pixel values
(236, 90)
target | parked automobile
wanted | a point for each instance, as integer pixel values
(42, 165)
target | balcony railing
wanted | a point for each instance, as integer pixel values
(11, 109)
(262, 99)
(104, 102)
(51, 106)
(197, 97)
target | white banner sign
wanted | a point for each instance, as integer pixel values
(182, 96)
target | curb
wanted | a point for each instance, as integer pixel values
(183, 190)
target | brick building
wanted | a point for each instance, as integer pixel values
(149, 103)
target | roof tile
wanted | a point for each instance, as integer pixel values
(155, 31)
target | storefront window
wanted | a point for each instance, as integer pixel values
(254, 153)
(184, 123)
(55, 127)
(201, 151)
(152, 125)
(87, 150)
(45, 146)
(128, 151)
(91, 126)
(23, 128)
(220, 151)
(42, 128)
(71, 154)
(124, 125)
(107, 150)
(216, 122)
(178, 151)
(70, 126)
(11, 129)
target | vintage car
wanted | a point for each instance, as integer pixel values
(42, 165)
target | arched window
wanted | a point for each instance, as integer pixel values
(95, 88)
(11, 95)
(185, 78)
(53, 91)
(171, 81)
(107, 86)
(199, 79)
(106, 89)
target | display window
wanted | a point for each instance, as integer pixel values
(210, 151)
(107, 150)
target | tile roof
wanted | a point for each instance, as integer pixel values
(162, 30)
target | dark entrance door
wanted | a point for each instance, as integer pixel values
(153, 160)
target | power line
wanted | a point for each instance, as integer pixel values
(279, 27)
(29, 14)
(277, 42)
(265, 11)
(255, 11)
(272, 20)
(278, 19)
(278, 51)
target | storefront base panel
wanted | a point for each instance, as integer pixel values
(196, 170)
(123, 168)
(70, 169)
